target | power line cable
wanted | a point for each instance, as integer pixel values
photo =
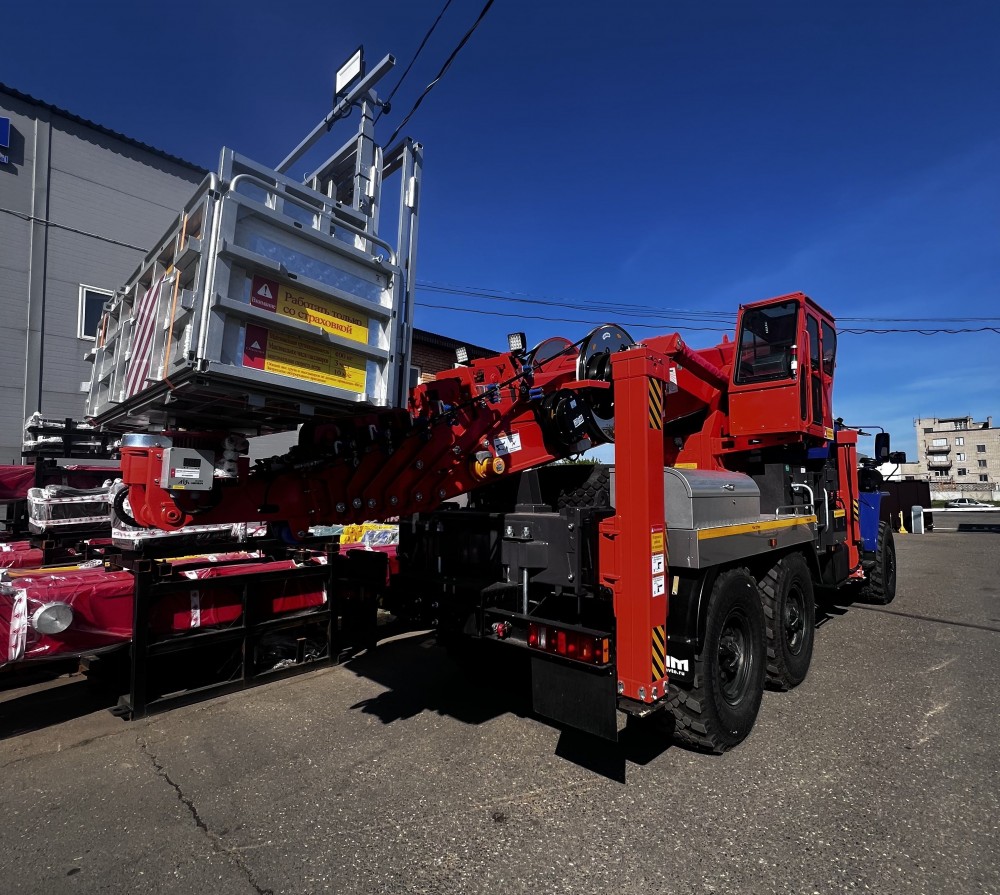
(402, 77)
(581, 305)
(664, 314)
(32, 219)
(660, 326)
(441, 73)
(667, 312)
(635, 325)
(603, 307)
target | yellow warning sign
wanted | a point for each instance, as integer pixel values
(299, 358)
(316, 310)
(657, 542)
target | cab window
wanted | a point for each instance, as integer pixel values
(829, 348)
(766, 341)
(815, 353)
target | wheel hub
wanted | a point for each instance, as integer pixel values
(734, 658)
(794, 620)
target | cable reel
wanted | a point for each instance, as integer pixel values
(594, 363)
(574, 417)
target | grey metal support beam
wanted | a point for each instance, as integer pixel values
(411, 162)
(359, 90)
(34, 355)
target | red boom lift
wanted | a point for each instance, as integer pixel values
(729, 456)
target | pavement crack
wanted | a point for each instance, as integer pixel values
(214, 839)
(927, 618)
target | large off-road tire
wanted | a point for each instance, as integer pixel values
(786, 594)
(881, 585)
(718, 710)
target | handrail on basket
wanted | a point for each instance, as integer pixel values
(357, 231)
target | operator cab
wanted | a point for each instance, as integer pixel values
(783, 371)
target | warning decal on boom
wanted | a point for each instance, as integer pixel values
(313, 309)
(275, 352)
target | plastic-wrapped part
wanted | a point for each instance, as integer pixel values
(15, 481)
(37, 421)
(19, 555)
(98, 604)
(89, 609)
(78, 475)
(370, 534)
(56, 507)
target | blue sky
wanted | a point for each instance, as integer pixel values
(679, 154)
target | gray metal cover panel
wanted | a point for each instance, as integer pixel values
(698, 498)
(720, 545)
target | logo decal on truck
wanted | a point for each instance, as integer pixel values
(678, 666)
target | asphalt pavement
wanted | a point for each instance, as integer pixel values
(399, 773)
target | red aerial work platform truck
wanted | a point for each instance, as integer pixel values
(680, 579)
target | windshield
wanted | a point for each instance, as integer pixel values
(766, 342)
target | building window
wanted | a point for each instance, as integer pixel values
(928, 431)
(960, 457)
(414, 377)
(963, 471)
(961, 424)
(984, 478)
(959, 441)
(91, 304)
(940, 473)
(939, 442)
(980, 448)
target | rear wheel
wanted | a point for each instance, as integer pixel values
(786, 594)
(718, 710)
(881, 585)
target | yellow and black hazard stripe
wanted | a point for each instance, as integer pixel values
(854, 506)
(655, 404)
(659, 653)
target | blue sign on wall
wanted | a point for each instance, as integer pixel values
(4, 140)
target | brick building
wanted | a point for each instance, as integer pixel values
(433, 353)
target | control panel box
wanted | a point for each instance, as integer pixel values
(186, 469)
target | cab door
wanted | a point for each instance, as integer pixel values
(817, 404)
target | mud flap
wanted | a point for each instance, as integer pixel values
(577, 697)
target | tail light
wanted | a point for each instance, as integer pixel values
(593, 649)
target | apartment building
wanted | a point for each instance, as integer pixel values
(958, 455)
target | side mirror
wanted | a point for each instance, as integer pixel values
(882, 447)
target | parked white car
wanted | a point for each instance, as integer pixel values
(965, 503)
